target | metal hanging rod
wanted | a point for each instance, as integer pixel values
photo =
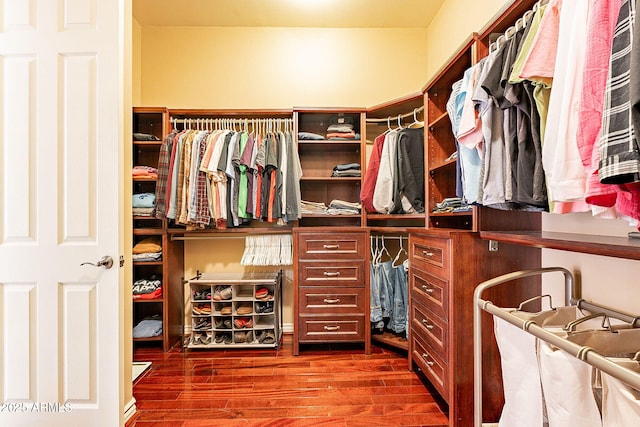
(230, 120)
(398, 117)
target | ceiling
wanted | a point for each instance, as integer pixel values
(287, 13)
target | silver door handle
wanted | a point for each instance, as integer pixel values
(106, 262)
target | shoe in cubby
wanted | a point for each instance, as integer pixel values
(201, 294)
(264, 307)
(243, 309)
(264, 293)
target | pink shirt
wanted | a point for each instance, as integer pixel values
(541, 61)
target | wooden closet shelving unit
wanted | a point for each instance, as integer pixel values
(381, 118)
(154, 121)
(448, 257)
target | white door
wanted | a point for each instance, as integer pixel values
(61, 204)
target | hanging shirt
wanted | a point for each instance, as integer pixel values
(565, 172)
(383, 192)
(164, 158)
(603, 16)
(371, 174)
(619, 150)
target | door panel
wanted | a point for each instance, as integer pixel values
(62, 127)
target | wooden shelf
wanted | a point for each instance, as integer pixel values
(384, 217)
(465, 213)
(442, 165)
(618, 247)
(441, 120)
(330, 216)
(148, 231)
(150, 143)
(391, 340)
(135, 301)
(139, 263)
(144, 179)
(330, 178)
(329, 141)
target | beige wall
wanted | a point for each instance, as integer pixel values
(204, 67)
(136, 72)
(455, 22)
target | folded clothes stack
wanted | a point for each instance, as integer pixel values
(141, 171)
(148, 327)
(312, 208)
(149, 249)
(341, 131)
(144, 204)
(451, 204)
(150, 288)
(341, 207)
(347, 169)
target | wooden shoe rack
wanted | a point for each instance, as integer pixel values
(236, 319)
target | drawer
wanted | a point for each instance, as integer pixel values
(430, 291)
(326, 329)
(435, 369)
(430, 252)
(332, 246)
(332, 300)
(331, 273)
(431, 328)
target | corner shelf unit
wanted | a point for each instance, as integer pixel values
(223, 323)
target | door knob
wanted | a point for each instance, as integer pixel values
(106, 262)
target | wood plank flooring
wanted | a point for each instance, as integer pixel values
(336, 387)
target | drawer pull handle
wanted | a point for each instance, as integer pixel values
(427, 253)
(428, 362)
(332, 328)
(427, 324)
(332, 247)
(427, 289)
(331, 273)
(332, 301)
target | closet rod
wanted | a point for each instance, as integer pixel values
(233, 120)
(584, 353)
(389, 237)
(222, 235)
(399, 116)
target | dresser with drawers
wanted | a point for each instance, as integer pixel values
(331, 286)
(445, 266)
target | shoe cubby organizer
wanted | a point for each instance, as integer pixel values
(234, 310)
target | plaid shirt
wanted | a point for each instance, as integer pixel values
(619, 151)
(163, 175)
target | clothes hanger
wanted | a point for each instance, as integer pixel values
(416, 123)
(384, 249)
(401, 250)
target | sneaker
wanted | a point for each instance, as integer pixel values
(264, 307)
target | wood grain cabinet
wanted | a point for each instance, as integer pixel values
(445, 266)
(331, 286)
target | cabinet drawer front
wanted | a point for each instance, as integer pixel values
(331, 273)
(431, 328)
(332, 246)
(431, 252)
(430, 291)
(326, 329)
(332, 300)
(435, 369)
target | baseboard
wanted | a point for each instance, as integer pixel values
(129, 409)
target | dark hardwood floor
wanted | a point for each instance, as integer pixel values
(338, 386)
